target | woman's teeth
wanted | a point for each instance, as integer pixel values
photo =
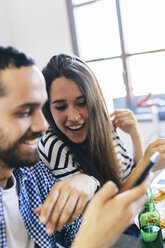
(75, 127)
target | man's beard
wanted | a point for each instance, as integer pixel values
(12, 158)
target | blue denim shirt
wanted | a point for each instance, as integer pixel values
(33, 186)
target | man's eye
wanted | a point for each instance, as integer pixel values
(61, 107)
(24, 114)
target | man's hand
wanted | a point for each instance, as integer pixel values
(66, 201)
(108, 215)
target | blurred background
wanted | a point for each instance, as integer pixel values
(123, 41)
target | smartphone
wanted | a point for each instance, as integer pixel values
(153, 160)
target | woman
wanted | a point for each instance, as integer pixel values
(81, 137)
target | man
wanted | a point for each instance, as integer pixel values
(22, 95)
(24, 185)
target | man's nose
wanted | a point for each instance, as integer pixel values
(39, 123)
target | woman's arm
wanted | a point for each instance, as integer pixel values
(69, 197)
(66, 201)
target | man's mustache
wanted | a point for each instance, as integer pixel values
(31, 137)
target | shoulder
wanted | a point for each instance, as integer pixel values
(38, 173)
(53, 151)
(56, 155)
(49, 141)
(49, 137)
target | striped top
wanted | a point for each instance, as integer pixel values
(60, 160)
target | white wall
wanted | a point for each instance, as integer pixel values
(40, 28)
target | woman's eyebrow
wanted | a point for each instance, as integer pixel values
(80, 97)
(63, 100)
(58, 101)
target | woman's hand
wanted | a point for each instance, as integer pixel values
(156, 146)
(125, 120)
(66, 201)
(108, 215)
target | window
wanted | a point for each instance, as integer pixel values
(123, 41)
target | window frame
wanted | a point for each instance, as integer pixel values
(130, 98)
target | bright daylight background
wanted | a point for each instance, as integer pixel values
(123, 41)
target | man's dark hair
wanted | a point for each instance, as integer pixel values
(11, 57)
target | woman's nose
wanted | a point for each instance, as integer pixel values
(73, 115)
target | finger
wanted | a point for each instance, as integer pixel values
(158, 148)
(119, 111)
(68, 210)
(80, 207)
(107, 192)
(136, 205)
(158, 142)
(115, 115)
(57, 210)
(112, 114)
(130, 125)
(161, 148)
(125, 116)
(48, 206)
(124, 121)
(38, 210)
(131, 210)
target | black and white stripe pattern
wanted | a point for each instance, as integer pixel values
(57, 156)
(126, 163)
(60, 160)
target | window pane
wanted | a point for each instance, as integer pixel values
(97, 30)
(147, 73)
(143, 24)
(109, 75)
